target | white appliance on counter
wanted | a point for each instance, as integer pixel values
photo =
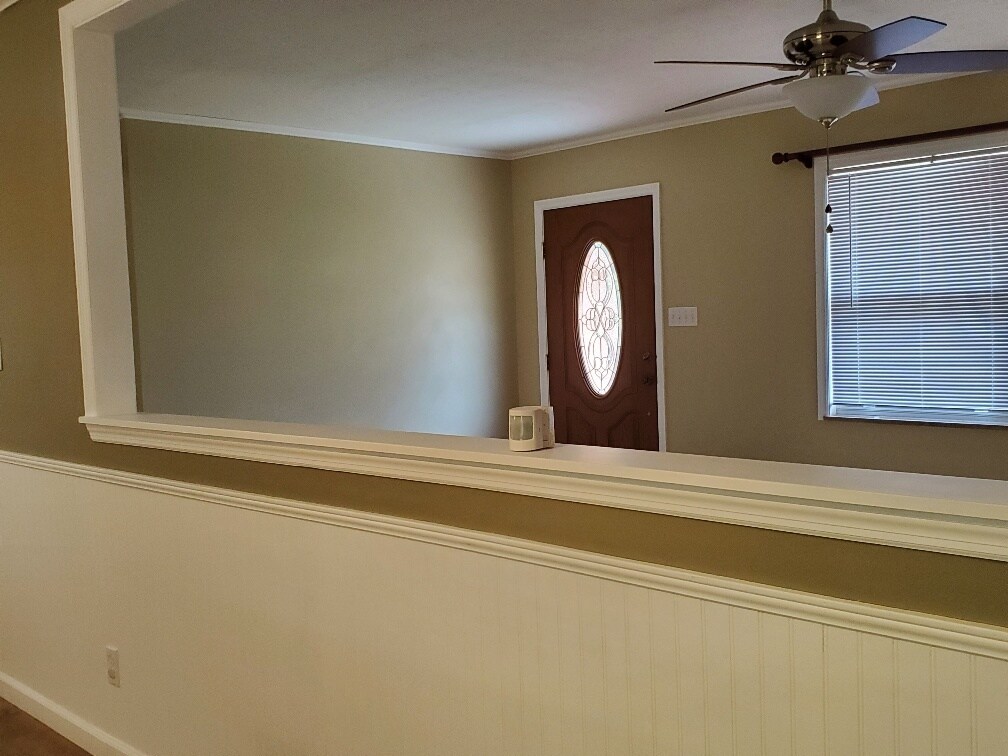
(531, 428)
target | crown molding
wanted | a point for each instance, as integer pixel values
(187, 119)
(882, 83)
(722, 114)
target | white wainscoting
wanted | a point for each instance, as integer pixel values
(249, 625)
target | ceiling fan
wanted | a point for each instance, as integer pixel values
(828, 60)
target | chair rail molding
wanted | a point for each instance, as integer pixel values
(968, 637)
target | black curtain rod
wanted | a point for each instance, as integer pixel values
(806, 157)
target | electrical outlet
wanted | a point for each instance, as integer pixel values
(682, 316)
(112, 665)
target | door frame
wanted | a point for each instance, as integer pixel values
(591, 198)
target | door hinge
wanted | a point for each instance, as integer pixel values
(547, 361)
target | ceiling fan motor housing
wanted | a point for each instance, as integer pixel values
(823, 53)
(817, 44)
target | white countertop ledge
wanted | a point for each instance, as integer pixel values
(964, 516)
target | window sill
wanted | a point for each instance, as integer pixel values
(960, 516)
(940, 419)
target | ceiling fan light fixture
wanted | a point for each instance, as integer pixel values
(828, 98)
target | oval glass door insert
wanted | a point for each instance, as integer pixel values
(599, 317)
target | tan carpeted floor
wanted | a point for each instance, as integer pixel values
(22, 735)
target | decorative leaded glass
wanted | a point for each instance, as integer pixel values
(599, 319)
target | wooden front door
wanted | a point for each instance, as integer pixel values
(600, 316)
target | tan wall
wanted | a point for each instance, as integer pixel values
(738, 242)
(278, 278)
(40, 385)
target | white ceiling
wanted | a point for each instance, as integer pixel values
(479, 77)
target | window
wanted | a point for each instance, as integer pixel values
(916, 286)
(599, 318)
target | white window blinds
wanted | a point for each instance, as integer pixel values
(917, 289)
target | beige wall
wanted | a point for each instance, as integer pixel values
(738, 242)
(40, 384)
(299, 280)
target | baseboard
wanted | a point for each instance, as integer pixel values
(72, 727)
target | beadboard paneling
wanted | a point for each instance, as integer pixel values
(275, 634)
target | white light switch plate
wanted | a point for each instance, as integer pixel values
(682, 316)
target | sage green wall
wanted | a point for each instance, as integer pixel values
(738, 242)
(299, 280)
(40, 384)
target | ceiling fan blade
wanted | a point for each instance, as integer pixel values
(891, 38)
(782, 80)
(777, 66)
(951, 61)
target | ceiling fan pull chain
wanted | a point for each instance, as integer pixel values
(826, 122)
(829, 208)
